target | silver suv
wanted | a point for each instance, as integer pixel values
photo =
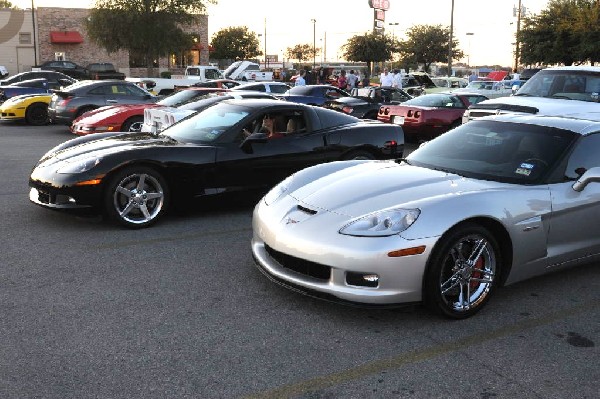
(563, 91)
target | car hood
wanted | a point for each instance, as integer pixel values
(102, 113)
(545, 106)
(23, 97)
(106, 146)
(372, 186)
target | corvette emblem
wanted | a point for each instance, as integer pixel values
(290, 221)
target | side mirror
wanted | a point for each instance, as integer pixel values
(592, 175)
(515, 89)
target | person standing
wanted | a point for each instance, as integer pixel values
(300, 79)
(342, 80)
(386, 79)
(397, 79)
(352, 80)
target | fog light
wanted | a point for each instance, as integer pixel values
(362, 279)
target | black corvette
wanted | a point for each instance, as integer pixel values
(366, 101)
(134, 177)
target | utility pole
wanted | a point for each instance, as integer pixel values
(517, 44)
(450, 40)
(314, 22)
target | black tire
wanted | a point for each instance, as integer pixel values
(135, 122)
(37, 114)
(359, 154)
(82, 111)
(462, 272)
(136, 197)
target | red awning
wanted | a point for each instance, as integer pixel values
(65, 36)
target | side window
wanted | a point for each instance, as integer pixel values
(584, 157)
(99, 91)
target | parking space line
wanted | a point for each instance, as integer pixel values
(375, 367)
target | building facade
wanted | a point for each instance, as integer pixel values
(60, 34)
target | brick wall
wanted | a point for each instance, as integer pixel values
(72, 19)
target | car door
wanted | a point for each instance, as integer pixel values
(575, 224)
(259, 163)
(123, 93)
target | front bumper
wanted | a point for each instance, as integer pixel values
(306, 253)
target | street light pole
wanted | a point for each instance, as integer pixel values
(469, 54)
(392, 24)
(517, 45)
(314, 22)
(33, 30)
(450, 40)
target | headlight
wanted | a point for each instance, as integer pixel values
(381, 224)
(78, 166)
(278, 191)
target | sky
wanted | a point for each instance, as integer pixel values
(491, 23)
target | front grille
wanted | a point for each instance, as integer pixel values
(301, 266)
(43, 197)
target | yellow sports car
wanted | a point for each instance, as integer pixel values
(33, 108)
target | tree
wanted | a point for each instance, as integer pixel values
(427, 44)
(148, 29)
(235, 43)
(6, 4)
(302, 52)
(566, 32)
(369, 48)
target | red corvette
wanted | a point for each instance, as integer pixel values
(129, 117)
(428, 116)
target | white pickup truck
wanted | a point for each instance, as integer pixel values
(567, 91)
(247, 71)
(193, 74)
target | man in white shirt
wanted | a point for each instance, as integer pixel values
(397, 79)
(352, 80)
(386, 79)
(300, 79)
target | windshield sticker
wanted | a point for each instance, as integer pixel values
(526, 166)
(523, 171)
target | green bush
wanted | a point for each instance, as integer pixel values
(165, 74)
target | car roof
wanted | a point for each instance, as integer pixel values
(574, 68)
(585, 123)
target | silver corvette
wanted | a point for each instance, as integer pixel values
(492, 202)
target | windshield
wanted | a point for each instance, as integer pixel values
(568, 84)
(499, 151)
(181, 97)
(300, 90)
(209, 125)
(436, 100)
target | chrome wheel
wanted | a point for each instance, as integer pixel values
(462, 271)
(468, 273)
(137, 197)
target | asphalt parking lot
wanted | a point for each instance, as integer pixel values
(92, 310)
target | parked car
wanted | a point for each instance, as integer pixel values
(67, 67)
(313, 94)
(265, 87)
(490, 203)
(130, 117)
(102, 71)
(32, 108)
(364, 102)
(158, 119)
(567, 91)
(488, 88)
(135, 177)
(75, 100)
(55, 79)
(34, 86)
(218, 83)
(448, 83)
(428, 116)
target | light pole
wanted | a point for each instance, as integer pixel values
(469, 54)
(314, 22)
(265, 53)
(517, 45)
(450, 40)
(33, 30)
(392, 24)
